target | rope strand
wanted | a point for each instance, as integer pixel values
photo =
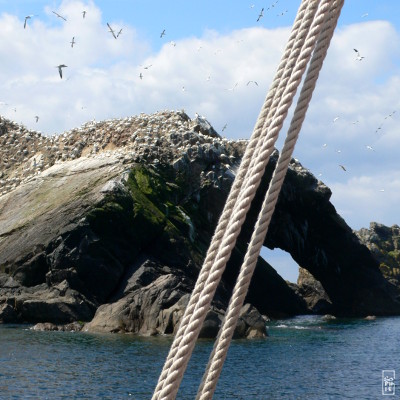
(247, 160)
(187, 343)
(221, 346)
(312, 19)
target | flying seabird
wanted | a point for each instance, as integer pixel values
(233, 88)
(261, 14)
(359, 57)
(58, 15)
(83, 14)
(36, 118)
(147, 66)
(111, 30)
(73, 41)
(162, 33)
(141, 76)
(248, 83)
(120, 31)
(26, 18)
(335, 119)
(60, 67)
(224, 127)
(369, 148)
(341, 166)
(390, 115)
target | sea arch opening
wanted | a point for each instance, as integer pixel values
(282, 262)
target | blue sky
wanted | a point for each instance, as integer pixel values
(210, 50)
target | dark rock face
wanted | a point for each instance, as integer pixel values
(152, 300)
(307, 226)
(313, 293)
(384, 244)
(114, 229)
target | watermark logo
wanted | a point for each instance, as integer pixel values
(388, 382)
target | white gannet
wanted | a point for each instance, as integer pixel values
(26, 19)
(60, 67)
(232, 88)
(261, 14)
(58, 15)
(111, 30)
(390, 115)
(359, 57)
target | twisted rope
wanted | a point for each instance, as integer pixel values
(223, 244)
(239, 213)
(248, 159)
(217, 358)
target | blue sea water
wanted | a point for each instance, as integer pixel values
(303, 358)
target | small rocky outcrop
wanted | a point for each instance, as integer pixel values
(109, 224)
(313, 293)
(152, 301)
(384, 244)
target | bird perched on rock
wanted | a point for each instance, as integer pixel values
(60, 67)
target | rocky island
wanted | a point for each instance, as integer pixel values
(106, 227)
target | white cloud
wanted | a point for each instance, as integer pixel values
(102, 81)
(376, 196)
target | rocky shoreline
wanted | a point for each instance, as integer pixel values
(106, 226)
